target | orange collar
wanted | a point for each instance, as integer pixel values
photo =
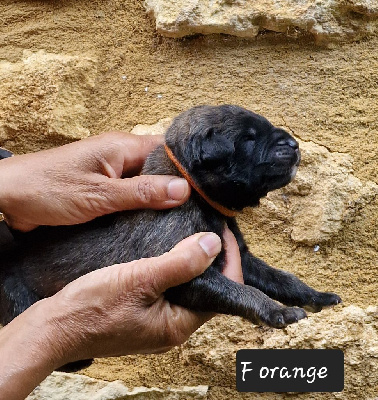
(223, 210)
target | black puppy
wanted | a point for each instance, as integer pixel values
(233, 157)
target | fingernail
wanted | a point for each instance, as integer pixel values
(177, 189)
(210, 243)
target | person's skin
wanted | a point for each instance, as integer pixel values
(113, 311)
(77, 182)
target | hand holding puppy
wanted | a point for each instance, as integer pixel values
(113, 311)
(116, 310)
(78, 182)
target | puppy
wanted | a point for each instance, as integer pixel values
(233, 158)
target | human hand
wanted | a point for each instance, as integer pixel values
(80, 181)
(121, 309)
(113, 311)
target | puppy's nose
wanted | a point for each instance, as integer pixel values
(289, 142)
(287, 151)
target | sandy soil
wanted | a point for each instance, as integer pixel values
(328, 96)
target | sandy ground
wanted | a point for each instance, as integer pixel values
(328, 96)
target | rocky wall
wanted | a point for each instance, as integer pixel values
(70, 69)
(325, 21)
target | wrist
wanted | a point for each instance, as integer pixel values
(51, 323)
(8, 171)
(30, 350)
(14, 200)
(8, 181)
(6, 236)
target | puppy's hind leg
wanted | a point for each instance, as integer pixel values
(15, 298)
(213, 292)
(277, 284)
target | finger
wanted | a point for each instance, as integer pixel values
(147, 191)
(135, 149)
(232, 268)
(123, 152)
(185, 261)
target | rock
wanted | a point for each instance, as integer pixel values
(156, 129)
(326, 20)
(352, 329)
(62, 386)
(45, 95)
(323, 196)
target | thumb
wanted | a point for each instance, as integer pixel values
(188, 259)
(147, 191)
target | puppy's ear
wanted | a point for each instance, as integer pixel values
(211, 149)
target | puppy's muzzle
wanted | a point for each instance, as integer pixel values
(287, 152)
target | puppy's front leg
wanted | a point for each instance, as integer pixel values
(279, 285)
(213, 292)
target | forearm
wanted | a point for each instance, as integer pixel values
(8, 180)
(28, 353)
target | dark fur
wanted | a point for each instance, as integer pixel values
(236, 157)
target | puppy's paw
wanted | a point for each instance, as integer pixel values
(320, 300)
(284, 316)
